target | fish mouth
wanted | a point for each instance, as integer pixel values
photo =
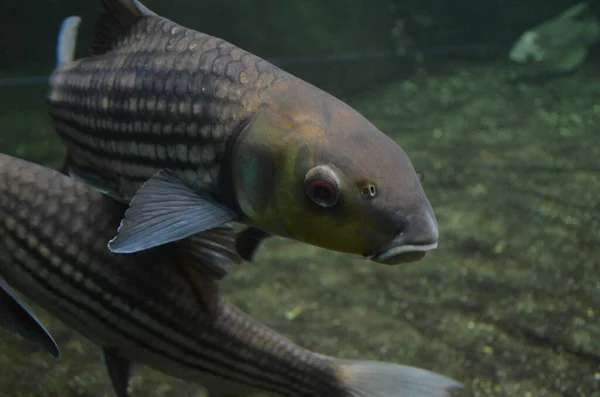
(418, 234)
(398, 254)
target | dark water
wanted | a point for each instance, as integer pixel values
(510, 302)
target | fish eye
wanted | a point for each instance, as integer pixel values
(321, 186)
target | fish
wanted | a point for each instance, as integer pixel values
(193, 132)
(140, 310)
(561, 44)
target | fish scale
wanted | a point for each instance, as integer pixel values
(144, 307)
(115, 300)
(191, 90)
(193, 132)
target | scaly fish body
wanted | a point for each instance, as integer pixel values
(191, 130)
(140, 309)
(164, 97)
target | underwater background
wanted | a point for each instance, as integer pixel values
(509, 304)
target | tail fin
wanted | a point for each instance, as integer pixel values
(379, 379)
(67, 38)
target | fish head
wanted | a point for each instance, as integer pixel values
(309, 167)
(527, 49)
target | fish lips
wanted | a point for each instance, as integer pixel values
(395, 254)
(418, 234)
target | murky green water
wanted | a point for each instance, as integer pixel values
(510, 302)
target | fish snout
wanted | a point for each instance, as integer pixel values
(419, 234)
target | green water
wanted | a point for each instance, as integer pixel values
(509, 303)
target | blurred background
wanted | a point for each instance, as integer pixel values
(509, 303)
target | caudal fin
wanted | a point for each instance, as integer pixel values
(379, 379)
(67, 39)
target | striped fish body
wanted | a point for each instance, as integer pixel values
(193, 132)
(53, 233)
(163, 96)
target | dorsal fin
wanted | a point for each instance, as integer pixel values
(119, 15)
(578, 11)
(67, 40)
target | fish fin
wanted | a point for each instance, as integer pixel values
(212, 252)
(118, 16)
(577, 11)
(143, 9)
(92, 179)
(206, 257)
(248, 240)
(16, 317)
(120, 371)
(204, 287)
(67, 40)
(64, 169)
(571, 58)
(379, 379)
(163, 210)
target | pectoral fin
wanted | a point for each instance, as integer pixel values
(16, 317)
(164, 210)
(204, 287)
(120, 371)
(204, 258)
(212, 252)
(570, 59)
(247, 242)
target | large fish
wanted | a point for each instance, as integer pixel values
(52, 249)
(194, 132)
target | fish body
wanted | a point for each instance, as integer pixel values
(560, 44)
(193, 132)
(141, 308)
